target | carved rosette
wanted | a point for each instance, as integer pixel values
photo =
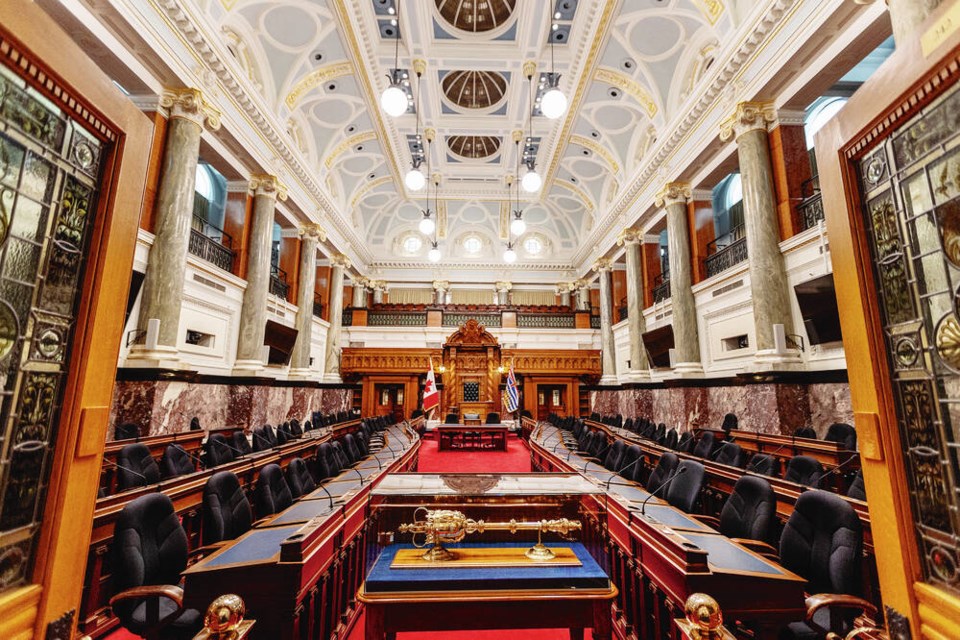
(268, 186)
(673, 193)
(748, 116)
(313, 231)
(189, 104)
(630, 235)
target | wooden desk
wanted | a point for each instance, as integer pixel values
(463, 437)
(460, 600)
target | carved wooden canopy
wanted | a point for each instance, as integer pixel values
(471, 334)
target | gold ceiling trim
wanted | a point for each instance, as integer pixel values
(504, 220)
(598, 149)
(441, 219)
(630, 86)
(314, 79)
(346, 144)
(711, 9)
(367, 187)
(580, 193)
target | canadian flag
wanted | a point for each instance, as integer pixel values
(431, 397)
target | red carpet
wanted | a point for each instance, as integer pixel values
(514, 634)
(516, 459)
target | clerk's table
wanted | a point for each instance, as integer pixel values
(441, 596)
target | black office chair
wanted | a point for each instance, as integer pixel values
(176, 462)
(857, 491)
(730, 422)
(629, 467)
(671, 439)
(282, 435)
(226, 509)
(217, 450)
(261, 441)
(451, 418)
(493, 418)
(126, 431)
(750, 511)
(295, 430)
(150, 552)
(803, 470)
(686, 442)
(765, 465)
(705, 445)
(843, 434)
(299, 479)
(660, 434)
(665, 467)
(349, 444)
(612, 460)
(730, 453)
(136, 467)
(326, 466)
(823, 542)
(805, 432)
(240, 443)
(272, 495)
(685, 487)
(628, 424)
(338, 455)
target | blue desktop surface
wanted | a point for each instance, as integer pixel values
(257, 545)
(384, 579)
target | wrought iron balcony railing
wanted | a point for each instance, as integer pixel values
(811, 211)
(278, 282)
(661, 287)
(210, 243)
(726, 251)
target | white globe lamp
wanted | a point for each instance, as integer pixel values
(394, 101)
(531, 181)
(415, 180)
(518, 227)
(509, 255)
(434, 254)
(553, 104)
(427, 225)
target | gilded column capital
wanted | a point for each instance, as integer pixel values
(748, 116)
(314, 231)
(630, 235)
(378, 285)
(601, 265)
(673, 193)
(190, 104)
(267, 185)
(503, 286)
(441, 285)
(563, 287)
(340, 260)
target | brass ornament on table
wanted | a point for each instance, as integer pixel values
(704, 615)
(224, 616)
(440, 526)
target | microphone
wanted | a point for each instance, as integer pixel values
(559, 442)
(258, 437)
(835, 469)
(191, 456)
(620, 471)
(643, 506)
(229, 446)
(330, 497)
(114, 465)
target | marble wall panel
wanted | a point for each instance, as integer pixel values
(829, 403)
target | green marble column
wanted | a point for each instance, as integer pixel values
(310, 235)
(331, 365)
(608, 354)
(632, 240)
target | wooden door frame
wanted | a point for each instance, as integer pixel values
(532, 382)
(905, 83)
(68, 510)
(411, 392)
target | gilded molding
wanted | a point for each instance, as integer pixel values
(503, 286)
(441, 285)
(529, 68)
(673, 193)
(314, 79)
(340, 260)
(711, 9)
(580, 193)
(629, 86)
(748, 116)
(269, 186)
(601, 265)
(346, 144)
(314, 231)
(597, 149)
(190, 104)
(628, 236)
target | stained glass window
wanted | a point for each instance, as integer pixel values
(910, 187)
(48, 171)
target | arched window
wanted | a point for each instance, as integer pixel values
(204, 183)
(819, 114)
(727, 205)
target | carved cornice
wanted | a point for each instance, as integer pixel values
(562, 362)
(673, 193)
(190, 104)
(312, 231)
(628, 236)
(748, 116)
(268, 186)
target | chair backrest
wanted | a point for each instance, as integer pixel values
(273, 494)
(295, 429)
(226, 509)
(126, 431)
(195, 424)
(750, 510)
(240, 442)
(685, 486)
(660, 433)
(730, 453)
(349, 444)
(843, 434)
(686, 442)
(451, 418)
(261, 441)
(765, 465)
(338, 455)
(667, 463)
(628, 424)
(597, 443)
(176, 462)
(823, 542)
(857, 491)
(326, 465)
(730, 422)
(803, 470)
(360, 438)
(805, 432)
(282, 435)
(299, 479)
(614, 454)
(630, 455)
(671, 439)
(705, 445)
(493, 418)
(136, 467)
(149, 546)
(218, 451)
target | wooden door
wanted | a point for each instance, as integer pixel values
(551, 399)
(389, 400)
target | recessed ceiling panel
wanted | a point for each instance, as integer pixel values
(473, 147)
(474, 89)
(476, 16)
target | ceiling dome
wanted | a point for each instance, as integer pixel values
(476, 15)
(474, 89)
(473, 146)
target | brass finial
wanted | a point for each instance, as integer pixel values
(224, 616)
(704, 615)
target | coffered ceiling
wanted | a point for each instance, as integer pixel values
(627, 67)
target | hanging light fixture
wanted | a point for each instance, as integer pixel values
(509, 255)
(393, 100)
(553, 103)
(427, 225)
(415, 179)
(517, 225)
(434, 253)
(531, 181)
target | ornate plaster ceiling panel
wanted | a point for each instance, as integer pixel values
(474, 89)
(474, 147)
(476, 16)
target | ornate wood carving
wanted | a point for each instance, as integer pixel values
(471, 334)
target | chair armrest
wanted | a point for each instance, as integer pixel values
(838, 601)
(710, 521)
(758, 546)
(168, 591)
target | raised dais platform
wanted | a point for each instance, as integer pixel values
(489, 437)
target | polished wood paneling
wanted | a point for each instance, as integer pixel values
(155, 164)
(236, 223)
(651, 270)
(702, 233)
(791, 168)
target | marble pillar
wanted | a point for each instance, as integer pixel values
(440, 289)
(636, 324)
(583, 296)
(166, 270)
(768, 274)
(906, 16)
(331, 361)
(503, 293)
(310, 235)
(686, 337)
(253, 313)
(379, 288)
(360, 293)
(608, 354)
(564, 291)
